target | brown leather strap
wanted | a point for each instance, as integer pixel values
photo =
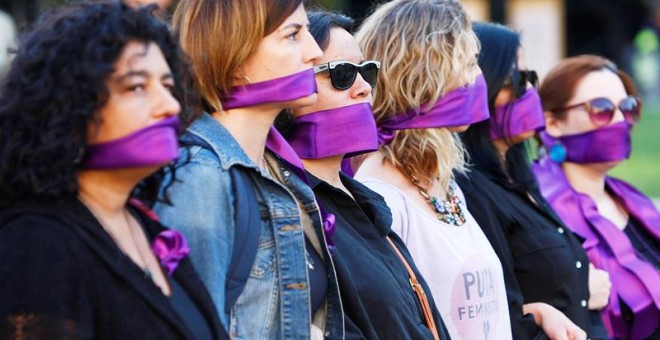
(419, 291)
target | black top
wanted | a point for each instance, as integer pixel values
(62, 276)
(189, 312)
(542, 259)
(376, 294)
(645, 245)
(318, 276)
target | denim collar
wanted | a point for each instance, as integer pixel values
(219, 140)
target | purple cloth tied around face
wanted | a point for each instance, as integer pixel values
(276, 143)
(278, 90)
(349, 130)
(634, 280)
(463, 106)
(155, 144)
(515, 118)
(606, 144)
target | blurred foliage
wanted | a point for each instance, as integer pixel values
(643, 168)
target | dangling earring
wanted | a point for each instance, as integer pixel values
(248, 79)
(557, 152)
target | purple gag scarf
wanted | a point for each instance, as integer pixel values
(634, 280)
(349, 130)
(463, 106)
(607, 144)
(278, 145)
(155, 144)
(515, 118)
(278, 90)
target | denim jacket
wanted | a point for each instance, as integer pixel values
(275, 303)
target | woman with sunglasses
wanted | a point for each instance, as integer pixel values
(590, 107)
(430, 87)
(545, 267)
(246, 75)
(373, 265)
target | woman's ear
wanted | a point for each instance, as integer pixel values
(552, 124)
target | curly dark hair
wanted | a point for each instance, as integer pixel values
(56, 86)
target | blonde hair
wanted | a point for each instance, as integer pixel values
(426, 48)
(219, 36)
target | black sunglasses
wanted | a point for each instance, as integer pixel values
(522, 77)
(344, 73)
(601, 110)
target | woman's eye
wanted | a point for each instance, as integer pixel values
(136, 88)
(293, 36)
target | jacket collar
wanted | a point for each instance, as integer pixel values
(371, 203)
(216, 137)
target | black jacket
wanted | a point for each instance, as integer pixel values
(62, 276)
(378, 300)
(543, 261)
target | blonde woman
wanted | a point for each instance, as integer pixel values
(251, 60)
(431, 86)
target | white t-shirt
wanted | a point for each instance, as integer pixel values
(458, 263)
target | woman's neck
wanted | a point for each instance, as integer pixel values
(585, 179)
(107, 191)
(326, 169)
(249, 126)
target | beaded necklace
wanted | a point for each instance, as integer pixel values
(448, 211)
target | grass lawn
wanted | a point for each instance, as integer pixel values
(643, 167)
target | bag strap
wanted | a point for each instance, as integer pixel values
(247, 227)
(419, 291)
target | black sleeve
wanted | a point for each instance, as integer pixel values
(42, 289)
(482, 209)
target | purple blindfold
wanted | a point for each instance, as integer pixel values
(607, 144)
(278, 90)
(155, 144)
(349, 130)
(515, 118)
(463, 106)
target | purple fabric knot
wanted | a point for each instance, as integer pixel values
(385, 136)
(329, 228)
(170, 247)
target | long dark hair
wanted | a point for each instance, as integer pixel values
(498, 60)
(56, 86)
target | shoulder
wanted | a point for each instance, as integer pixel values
(384, 189)
(399, 204)
(209, 140)
(27, 238)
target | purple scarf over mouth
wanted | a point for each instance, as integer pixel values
(349, 130)
(634, 280)
(155, 144)
(610, 143)
(278, 90)
(515, 118)
(463, 106)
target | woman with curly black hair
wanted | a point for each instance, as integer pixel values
(90, 108)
